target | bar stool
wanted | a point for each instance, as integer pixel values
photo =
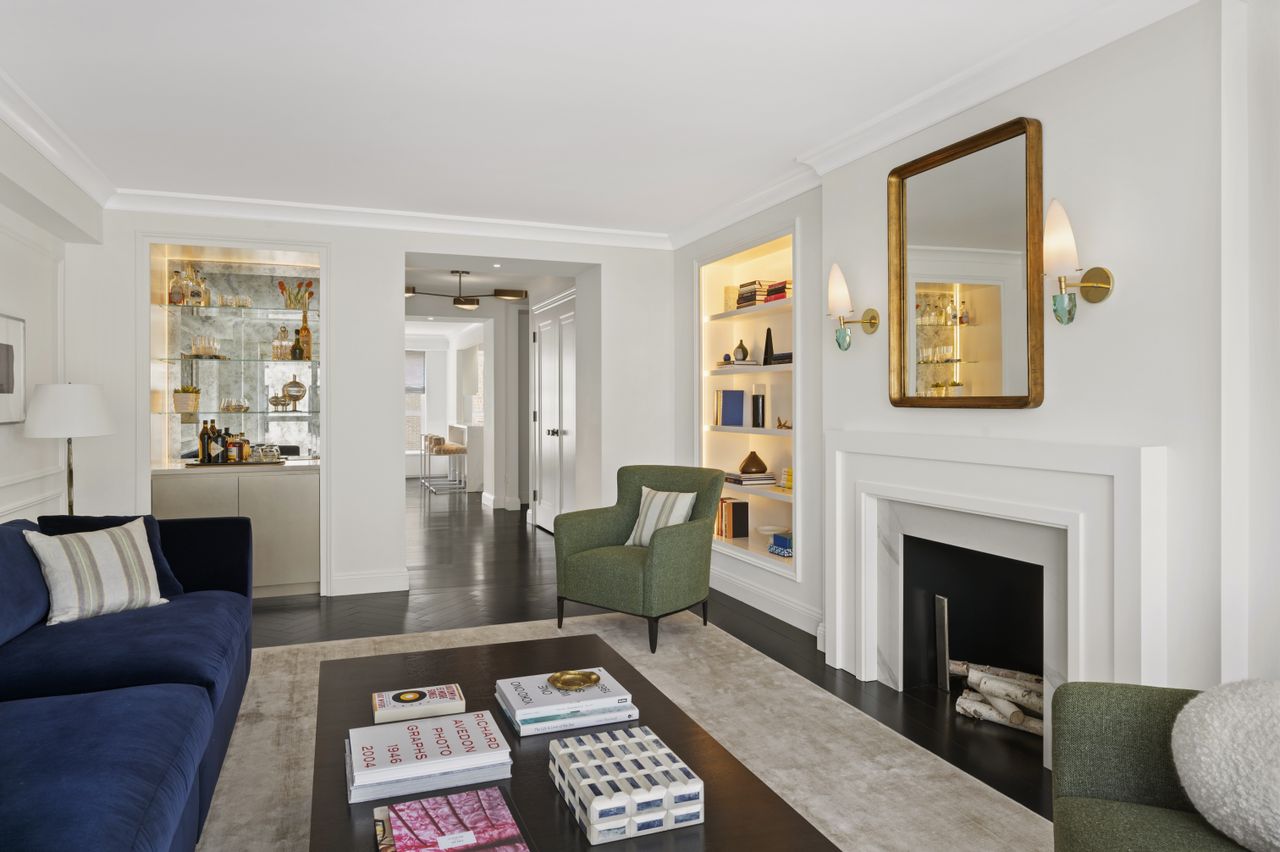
(455, 479)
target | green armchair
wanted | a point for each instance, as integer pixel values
(594, 567)
(1114, 782)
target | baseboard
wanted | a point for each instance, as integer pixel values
(283, 589)
(364, 584)
(486, 500)
(796, 614)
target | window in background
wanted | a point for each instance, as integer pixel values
(477, 400)
(415, 391)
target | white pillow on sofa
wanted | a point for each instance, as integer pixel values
(1226, 746)
(94, 573)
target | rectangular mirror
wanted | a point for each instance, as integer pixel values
(966, 320)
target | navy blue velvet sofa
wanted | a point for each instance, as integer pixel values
(113, 729)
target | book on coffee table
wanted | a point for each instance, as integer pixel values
(532, 696)
(419, 703)
(569, 721)
(426, 754)
(471, 820)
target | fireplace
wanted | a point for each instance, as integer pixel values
(992, 605)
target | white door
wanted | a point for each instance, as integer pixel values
(556, 404)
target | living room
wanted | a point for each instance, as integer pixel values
(785, 252)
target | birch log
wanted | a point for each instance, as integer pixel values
(1005, 707)
(1016, 692)
(976, 709)
(1033, 681)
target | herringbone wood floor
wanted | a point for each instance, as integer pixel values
(469, 566)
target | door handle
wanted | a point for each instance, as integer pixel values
(553, 432)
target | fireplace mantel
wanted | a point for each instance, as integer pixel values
(1109, 500)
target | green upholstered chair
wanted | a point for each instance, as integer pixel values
(1114, 782)
(594, 566)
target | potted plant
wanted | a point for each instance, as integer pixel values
(955, 388)
(186, 399)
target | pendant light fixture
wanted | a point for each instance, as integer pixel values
(468, 303)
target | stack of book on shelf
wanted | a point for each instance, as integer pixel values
(626, 783)
(736, 478)
(729, 405)
(788, 479)
(472, 820)
(731, 518)
(752, 293)
(777, 290)
(780, 358)
(534, 706)
(402, 758)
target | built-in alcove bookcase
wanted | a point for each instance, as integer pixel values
(723, 326)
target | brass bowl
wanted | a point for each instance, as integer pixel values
(573, 680)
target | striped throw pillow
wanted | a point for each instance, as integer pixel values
(95, 573)
(659, 509)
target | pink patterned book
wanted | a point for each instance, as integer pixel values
(476, 819)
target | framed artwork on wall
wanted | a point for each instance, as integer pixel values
(13, 369)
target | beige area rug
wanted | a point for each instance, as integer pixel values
(860, 783)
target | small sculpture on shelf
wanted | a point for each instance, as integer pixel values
(783, 424)
(752, 464)
(294, 391)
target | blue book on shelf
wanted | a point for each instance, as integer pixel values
(729, 407)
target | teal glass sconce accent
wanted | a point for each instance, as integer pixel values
(1061, 261)
(839, 303)
(1064, 307)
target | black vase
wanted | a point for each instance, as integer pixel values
(768, 347)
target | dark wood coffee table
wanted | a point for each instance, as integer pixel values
(742, 812)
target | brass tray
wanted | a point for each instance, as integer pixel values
(238, 464)
(573, 680)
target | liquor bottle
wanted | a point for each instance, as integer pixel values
(226, 443)
(964, 313)
(296, 351)
(919, 315)
(952, 313)
(177, 292)
(202, 443)
(304, 337)
(206, 294)
(213, 445)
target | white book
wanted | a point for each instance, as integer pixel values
(571, 721)
(418, 703)
(531, 697)
(423, 784)
(425, 747)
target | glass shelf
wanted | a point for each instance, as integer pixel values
(314, 362)
(216, 414)
(240, 313)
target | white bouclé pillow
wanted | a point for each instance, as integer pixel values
(94, 573)
(1226, 746)
(660, 509)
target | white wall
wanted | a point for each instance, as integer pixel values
(1131, 148)
(362, 334)
(796, 601)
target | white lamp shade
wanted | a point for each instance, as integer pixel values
(68, 411)
(1059, 242)
(838, 301)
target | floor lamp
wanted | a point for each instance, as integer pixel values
(68, 411)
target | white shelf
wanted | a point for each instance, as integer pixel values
(754, 549)
(751, 430)
(770, 492)
(774, 307)
(741, 371)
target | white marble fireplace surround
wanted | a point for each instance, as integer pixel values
(1094, 516)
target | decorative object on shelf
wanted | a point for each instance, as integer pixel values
(233, 406)
(177, 293)
(573, 679)
(468, 303)
(299, 297)
(204, 346)
(13, 369)
(1061, 261)
(727, 359)
(296, 352)
(752, 464)
(186, 399)
(277, 401)
(839, 303)
(294, 391)
(280, 345)
(768, 347)
(740, 352)
(68, 411)
(304, 337)
(783, 424)
(757, 406)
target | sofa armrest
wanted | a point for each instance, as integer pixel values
(587, 529)
(679, 567)
(1113, 741)
(210, 553)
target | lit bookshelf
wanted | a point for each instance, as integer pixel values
(727, 437)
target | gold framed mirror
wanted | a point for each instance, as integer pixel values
(966, 300)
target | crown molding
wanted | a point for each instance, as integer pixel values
(1021, 62)
(224, 207)
(30, 122)
(800, 179)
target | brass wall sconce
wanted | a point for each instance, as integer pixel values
(839, 304)
(1061, 261)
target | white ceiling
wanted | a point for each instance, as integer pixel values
(428, 271)
(635, 116)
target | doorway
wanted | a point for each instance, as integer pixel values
(554, 343)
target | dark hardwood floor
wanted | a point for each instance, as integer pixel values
(470, 566)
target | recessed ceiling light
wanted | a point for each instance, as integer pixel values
(497, 266)
(430, 318)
